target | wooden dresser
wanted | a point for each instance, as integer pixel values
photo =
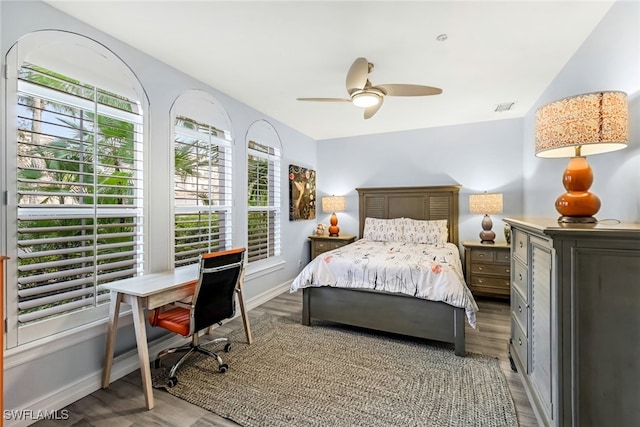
(324, 242)
(488, 268)
(575, 321)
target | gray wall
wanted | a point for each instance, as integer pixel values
(479, 156)
(73, 367)
(608, 60)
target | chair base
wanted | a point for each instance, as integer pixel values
(188, 350)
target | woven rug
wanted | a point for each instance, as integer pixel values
(324, 375)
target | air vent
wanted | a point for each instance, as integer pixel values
(505, 106)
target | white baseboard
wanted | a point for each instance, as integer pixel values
(124, 364)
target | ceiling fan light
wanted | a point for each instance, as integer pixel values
(365, 99)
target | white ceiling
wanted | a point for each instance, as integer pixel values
(268, 53)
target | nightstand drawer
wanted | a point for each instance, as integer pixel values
(503, 257)
(491, 282)
(336, 245)
(520, 311)
(498, 270)
(324, 243)
(483, 255)
(322, 246)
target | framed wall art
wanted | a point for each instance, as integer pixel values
(302, 193)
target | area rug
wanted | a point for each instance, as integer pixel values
(327, 375)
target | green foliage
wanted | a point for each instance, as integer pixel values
(75, 172)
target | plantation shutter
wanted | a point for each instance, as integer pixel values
(79, 191)
(203, 198)
(263, 201)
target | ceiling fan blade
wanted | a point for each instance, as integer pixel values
(408, 90)
(325, 99)
(370, 111)
(357, 75)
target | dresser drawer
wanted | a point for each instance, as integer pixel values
(520, 311)
(521, 245)
(519, 343)
(493, 269)
(520, 279)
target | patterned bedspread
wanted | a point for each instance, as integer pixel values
(432, 272)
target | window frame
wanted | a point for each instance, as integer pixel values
(263, 133)
(37, 48)
(202, 108)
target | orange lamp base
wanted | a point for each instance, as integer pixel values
(577, 204)
(334, 230)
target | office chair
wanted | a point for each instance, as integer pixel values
(213, 301)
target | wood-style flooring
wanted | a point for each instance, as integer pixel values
(122, 404)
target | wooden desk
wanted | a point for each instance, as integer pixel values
(149, 292)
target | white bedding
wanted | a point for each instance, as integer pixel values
(432, 272)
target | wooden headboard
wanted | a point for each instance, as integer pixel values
(438, 202)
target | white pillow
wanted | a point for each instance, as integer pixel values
(383, 230)
(432, 232)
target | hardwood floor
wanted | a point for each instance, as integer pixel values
(122, 404)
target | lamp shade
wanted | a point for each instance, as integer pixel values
(332, 204)
(595, 122)
(486, 203)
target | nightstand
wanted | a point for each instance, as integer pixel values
(488, 268)
(324, 242)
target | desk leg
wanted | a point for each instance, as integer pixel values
(245, 315)
(143, 350)
(114, 313)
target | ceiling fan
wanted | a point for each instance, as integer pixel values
(363, 94)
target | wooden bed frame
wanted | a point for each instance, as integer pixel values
(392, 312)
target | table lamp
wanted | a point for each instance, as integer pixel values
(575, 127)
(333, 204)
(485, 204)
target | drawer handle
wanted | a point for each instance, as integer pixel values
(521, 243)
(520, 308)
(480, 281)
(519, 341)
(507, 270)
(481, 255)
(480, 268)
(520, 277)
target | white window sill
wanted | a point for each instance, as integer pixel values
(263, 267)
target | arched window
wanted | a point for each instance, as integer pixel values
(264, 155)
(75, 146)
(203, 170)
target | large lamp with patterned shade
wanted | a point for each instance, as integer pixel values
(333, 204)
(575, 127)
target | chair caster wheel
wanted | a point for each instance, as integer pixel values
(227, 347)
(157, 363)
(223, 368)
(172, 382)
